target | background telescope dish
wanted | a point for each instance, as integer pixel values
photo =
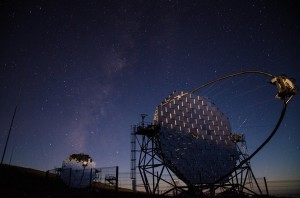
(77, 170)
(195, 138)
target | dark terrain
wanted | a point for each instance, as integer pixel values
(24, 182)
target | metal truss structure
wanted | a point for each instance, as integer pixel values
(192, 139)
(155, 171)
(150, 164)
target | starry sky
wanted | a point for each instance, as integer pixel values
(88, 69)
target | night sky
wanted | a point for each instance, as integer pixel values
(88, 69)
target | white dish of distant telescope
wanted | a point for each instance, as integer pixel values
(195, 138)
(76, 170)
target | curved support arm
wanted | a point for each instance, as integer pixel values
(259, 148)
(286, 90)
(232, 75)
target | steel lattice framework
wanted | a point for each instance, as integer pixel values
(192, 138)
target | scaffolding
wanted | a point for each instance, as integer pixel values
(151, 165)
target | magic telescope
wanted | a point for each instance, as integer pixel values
(193, 138)
(200, 118)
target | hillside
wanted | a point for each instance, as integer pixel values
(29, 183)
(24, 182)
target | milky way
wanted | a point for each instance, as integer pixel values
(89, 69)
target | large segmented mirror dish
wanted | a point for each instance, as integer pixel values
(195, 139)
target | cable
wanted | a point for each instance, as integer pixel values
(260, 147)
(286, 91)
(285, 101)
(219, 79)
